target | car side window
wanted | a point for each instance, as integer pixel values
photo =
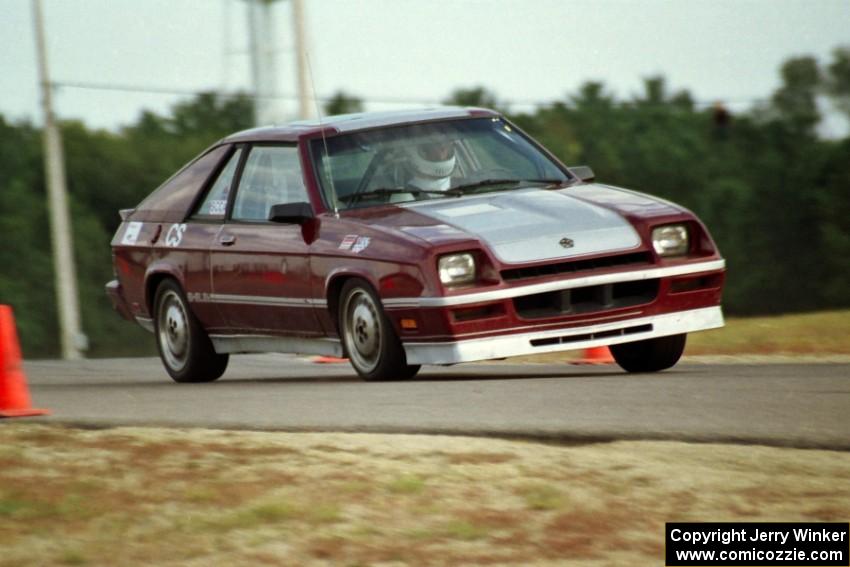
(172, 200)
(271, 176)
(215, 203)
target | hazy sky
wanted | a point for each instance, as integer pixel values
(411, 50)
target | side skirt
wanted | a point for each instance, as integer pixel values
(146, 323)
(263, 343)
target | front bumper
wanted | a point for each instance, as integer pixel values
(555, 340)
(561, 314)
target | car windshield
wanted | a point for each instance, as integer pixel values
(435, 160)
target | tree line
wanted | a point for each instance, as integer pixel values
(775, 195)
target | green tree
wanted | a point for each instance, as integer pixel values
(833, 223)
(26, 279)
(342, 103)
(796, 99)
(838, 78)
(212, 115)
(475, 96)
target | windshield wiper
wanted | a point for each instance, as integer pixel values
(453, 192)
(503, 181)
(549, 183)
(354, 198)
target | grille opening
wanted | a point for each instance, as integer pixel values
(472, 313)
(573, 266)
(590, 336)
(693, 283)
(588, 299)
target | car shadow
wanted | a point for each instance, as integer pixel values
(477, 374)
(429, 375)
(425, 376)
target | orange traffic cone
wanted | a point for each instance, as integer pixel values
(14, 395)
(328, 360)
(596, 355)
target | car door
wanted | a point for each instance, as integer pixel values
(201, 230)
(260, 269)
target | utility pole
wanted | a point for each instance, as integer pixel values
(305, 92)
(263, 61)
(226, 45)
(73, 341)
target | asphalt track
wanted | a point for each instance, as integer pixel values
(796, 405)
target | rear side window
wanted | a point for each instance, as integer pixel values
(171, 202)
(215, 203)
(271, 176)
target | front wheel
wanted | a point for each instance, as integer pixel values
(183, 345)
(650, 355)
(368, 337)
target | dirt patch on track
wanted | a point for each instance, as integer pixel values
(138, 496)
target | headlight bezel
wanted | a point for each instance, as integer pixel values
(671, 240)
(457, 269)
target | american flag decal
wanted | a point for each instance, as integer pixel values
(348, 241)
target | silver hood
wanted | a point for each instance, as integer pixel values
(528, 225)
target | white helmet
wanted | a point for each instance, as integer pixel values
(434, 160)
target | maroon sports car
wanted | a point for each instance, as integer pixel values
(399, 239)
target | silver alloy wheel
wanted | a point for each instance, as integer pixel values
(173, 330)
(362, 330)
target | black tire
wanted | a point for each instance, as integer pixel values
(368, 338)
(650, 355)
(183, 345)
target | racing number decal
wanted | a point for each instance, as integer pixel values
(175, 235)
(131, 235)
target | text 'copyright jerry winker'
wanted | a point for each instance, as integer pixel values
(740, 543)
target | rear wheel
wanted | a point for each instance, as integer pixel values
(368, 337)
(650, 355)
(183, 345)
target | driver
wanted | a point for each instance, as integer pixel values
(432, 165)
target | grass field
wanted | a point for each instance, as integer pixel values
(200, 497)
(826, 332)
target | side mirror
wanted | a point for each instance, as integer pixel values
(584, 172)
(291, 213)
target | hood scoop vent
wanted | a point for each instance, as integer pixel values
(635, 259)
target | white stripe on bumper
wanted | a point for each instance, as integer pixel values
(507, 293)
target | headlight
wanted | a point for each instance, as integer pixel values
(456, 269)
(670, 240)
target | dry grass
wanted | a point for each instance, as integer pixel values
(197, 497)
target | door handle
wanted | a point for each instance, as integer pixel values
(227, 240)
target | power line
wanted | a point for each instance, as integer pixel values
(86, 85)
(89, 85)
